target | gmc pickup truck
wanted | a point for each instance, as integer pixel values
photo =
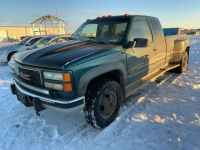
(106, 60)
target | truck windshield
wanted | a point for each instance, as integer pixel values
(103, 30)
(24, 41)
(40, 43)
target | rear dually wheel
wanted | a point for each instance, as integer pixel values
(183, 63)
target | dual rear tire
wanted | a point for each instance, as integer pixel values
(183, 63)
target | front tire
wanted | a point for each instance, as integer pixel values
(183, 63)
(103, 101)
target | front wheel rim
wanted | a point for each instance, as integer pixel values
(108, 104)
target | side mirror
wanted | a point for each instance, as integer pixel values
(28, 44)
(140, 42)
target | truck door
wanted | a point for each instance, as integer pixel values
(140, 60)
(159, 43)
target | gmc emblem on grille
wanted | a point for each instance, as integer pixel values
(24, 76)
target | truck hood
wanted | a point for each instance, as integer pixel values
(56, 56)
(9, 47)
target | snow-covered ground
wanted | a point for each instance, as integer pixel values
(163, 115)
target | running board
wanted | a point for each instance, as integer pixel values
(159, 72)
(170, 66)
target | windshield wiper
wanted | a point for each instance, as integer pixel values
(91, 37)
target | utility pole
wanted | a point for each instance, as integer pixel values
(56, 17)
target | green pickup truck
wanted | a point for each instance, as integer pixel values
(106, 60)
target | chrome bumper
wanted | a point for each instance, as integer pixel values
(51, 103)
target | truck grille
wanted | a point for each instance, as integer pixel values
(30, 76)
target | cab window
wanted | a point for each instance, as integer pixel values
(141, 29)
(59, 40)
(34, 40)
(158, 31)
(62, 39)
(53, 42)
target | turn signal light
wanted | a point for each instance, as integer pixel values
(98, 17)
(66, 77)
(67, 87)
(103, 16)
(109, 15)
(126, 15)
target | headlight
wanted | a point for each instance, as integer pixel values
(53, 86)
(53, 76)
(65, 77)
(1, 52)
(61, 87)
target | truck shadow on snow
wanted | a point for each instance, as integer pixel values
(3, 64)
(151, 88)
(75, 123)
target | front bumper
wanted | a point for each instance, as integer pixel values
(60, 105)
(11, 65)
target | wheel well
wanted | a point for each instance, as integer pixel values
(188, 51)
(10, 54)
(115, 75)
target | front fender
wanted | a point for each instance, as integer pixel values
(95, 72)
(4, 56)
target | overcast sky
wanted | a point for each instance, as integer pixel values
(172, 13)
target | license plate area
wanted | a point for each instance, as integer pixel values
(24, 99)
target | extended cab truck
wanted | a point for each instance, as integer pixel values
(107, 60)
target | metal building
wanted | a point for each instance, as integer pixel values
(49, 25)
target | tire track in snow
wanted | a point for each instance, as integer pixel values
(137, 107)
(83, 131)
(83, 136)
(165, 82)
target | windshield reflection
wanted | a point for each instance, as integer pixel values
(102, 31)
(42, 42)
(24, 41)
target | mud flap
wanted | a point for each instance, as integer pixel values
(37, 105)
(13, 89)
